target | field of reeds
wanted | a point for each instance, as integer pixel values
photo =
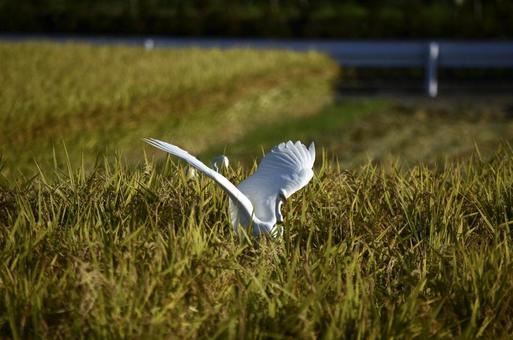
(404, 231)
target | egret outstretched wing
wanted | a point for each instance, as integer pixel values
(283, 171)
(235, 194)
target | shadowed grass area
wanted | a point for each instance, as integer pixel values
(326, 127)
(124, 252)
(389, 131)
(100, 98)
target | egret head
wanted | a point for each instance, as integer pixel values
(220, 161)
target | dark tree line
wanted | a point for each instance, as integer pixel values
(264, 18)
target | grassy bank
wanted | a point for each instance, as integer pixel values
(95, 99)
(142, 252)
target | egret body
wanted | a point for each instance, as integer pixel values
(257, 200)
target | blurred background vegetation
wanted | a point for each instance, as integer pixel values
(97, 99)
(264, 18)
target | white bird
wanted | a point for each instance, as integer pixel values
(257, 200)
(216, 161)
(220, 161)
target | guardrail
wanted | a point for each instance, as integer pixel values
(429, 55)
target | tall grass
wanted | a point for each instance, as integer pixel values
(366, 253)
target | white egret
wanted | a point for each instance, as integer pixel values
(220, 161)
(216, 161)
(257, 200)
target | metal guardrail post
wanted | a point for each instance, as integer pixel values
(149, 44)
(431, 69)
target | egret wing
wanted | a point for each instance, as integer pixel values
(284, 170)
(235, 194)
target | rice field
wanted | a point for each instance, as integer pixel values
(369, 253)
(97, 99)
(103, 238)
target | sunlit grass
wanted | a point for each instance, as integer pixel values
(100, 98)
(123, 252)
